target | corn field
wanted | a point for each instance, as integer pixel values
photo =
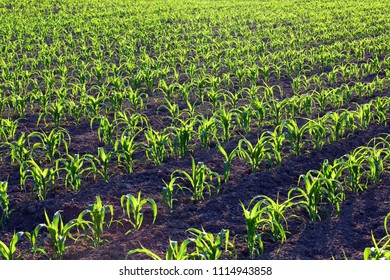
(182, 130)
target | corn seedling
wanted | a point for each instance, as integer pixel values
(336, 125)
(4, 203)
(133, 206)
(209, 247)
(254, 155)
(275, 140)
(333, 188)
(354, 165)
(96, 223)
(225, 119)
(317, 132)
(43, 178)
(200, 180)
(51, 142)
(206, 131)
(381, 249)
(8, 129)
(364, 115)
(273, 219)
(18, 150)
(243, 117)
(182, 137)
(311, 195)
(74, 169)
(59, 232)
(296, 135)
(9, 252)
(156, 147)
(174, 252)
(106, 130)
(103, 159)
(33, 238)
(228, 158)
(167, 192)
(125, 148)
(259, 110)
(252, 222)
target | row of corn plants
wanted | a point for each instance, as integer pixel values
(52, 238)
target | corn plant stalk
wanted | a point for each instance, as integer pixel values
(59, 232)
(133, 206)
(200, 179)
(97, 213)
(9, 252)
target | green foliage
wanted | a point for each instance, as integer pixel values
(4, 203)
(199, 180)
(133, 207)
(96, 223)
(9, 252)
(59, 232)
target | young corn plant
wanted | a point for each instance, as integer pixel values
(96, 223)
(137, 100)
(376, 159)
(259, 110)
(106, 130)
(156, 147)
(333, 189)
(167, 193)
(364, 114)
(51, 142)
(336, 125)
(132, 124)
(18, 149)
(381, 249)
(209, 247)
(275, 140)
(8, 129)
(4, 203)
(59, 232)
(33, 238)
(206, 131)
(215, 99)
(199, 180)
(273, 219)
(173, 110)
(381, 106)
(254, 155)
(275, 110)
(174, 252)
(311, 195)
(103, 159)
(182, 137)
(243, 116)
(133, 206)
(296, 135)
(43, 178)
(57, 113)
(317, 132)
(74, 170)
(125, 147)
(9, 252)
(225, 120)
(252, 223)
(228, 158)
(354, 166)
